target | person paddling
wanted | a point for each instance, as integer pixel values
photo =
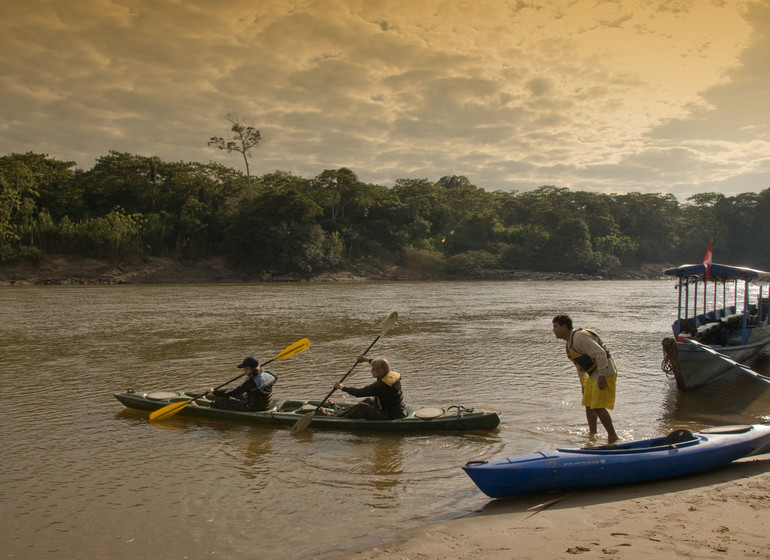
(385, 399)
(252, 394)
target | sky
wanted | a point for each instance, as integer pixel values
(612, 96)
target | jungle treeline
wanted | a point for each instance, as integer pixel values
(129, 206)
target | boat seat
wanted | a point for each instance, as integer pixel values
(678, 436)
(732, 318)
(703, 330)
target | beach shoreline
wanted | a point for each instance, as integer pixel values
(720, 513)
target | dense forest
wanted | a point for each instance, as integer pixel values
(128, 207)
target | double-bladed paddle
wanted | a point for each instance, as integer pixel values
(171, 409)
(303, 422)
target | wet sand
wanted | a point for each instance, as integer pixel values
(724, 513)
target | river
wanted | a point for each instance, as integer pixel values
(83, 477)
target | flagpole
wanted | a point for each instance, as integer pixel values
(707, 260)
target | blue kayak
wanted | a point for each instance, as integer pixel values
(680, 453)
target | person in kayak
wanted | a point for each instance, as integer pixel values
(596, 369)
(385, 399)
(252, 394)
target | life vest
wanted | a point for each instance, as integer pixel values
(261, 396)
(264, 381)
(584, 361)
(393, 402)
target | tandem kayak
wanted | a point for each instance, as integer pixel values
(680, 453)
(288, 412)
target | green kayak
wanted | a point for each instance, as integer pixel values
(452, 418)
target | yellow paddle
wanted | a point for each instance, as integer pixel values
(171, 409)
(303, 422)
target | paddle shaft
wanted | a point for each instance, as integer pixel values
(326, 398)
(304, 422)
(237, 377)
(737, 365)
(173, 408)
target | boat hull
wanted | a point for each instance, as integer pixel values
(288, 412)
(631, 462)
(696, 367)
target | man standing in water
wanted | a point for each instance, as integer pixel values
(597, 372)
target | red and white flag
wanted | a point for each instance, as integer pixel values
(707, 261)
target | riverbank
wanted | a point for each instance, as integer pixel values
(717, 514)
(67, 269)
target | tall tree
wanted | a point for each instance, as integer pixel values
(277, 232)
(245, 137)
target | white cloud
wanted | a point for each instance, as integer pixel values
(628, 95)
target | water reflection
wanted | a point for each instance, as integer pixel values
(384, 466)
(734, 398)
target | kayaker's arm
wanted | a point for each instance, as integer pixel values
(375, 389)
(361, 358)
(244, 386)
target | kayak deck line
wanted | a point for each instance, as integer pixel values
(680, 453)
(288, 411)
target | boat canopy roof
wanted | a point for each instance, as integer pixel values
(720, 271)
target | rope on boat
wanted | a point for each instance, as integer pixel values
(670, 364)
(460, 409)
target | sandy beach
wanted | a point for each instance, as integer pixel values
(724, 513)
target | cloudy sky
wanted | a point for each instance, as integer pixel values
(666, 96)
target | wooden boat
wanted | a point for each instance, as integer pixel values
(288, 412)
(738, 331)
(680, 453)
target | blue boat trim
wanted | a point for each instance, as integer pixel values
(720, 271)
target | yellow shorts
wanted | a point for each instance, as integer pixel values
(583, 377)
(593, 397)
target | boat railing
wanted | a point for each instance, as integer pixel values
(722, 314)
(718, 316)
(724, 331)
(699, 308)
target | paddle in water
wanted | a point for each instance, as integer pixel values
(171, 409)
(303, 422)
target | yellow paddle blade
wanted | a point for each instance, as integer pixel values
(302, 423)
(295, 348)
(169, 410)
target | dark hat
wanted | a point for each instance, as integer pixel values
(251, 361)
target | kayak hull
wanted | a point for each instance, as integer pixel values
(626, 463)
(288, 412)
